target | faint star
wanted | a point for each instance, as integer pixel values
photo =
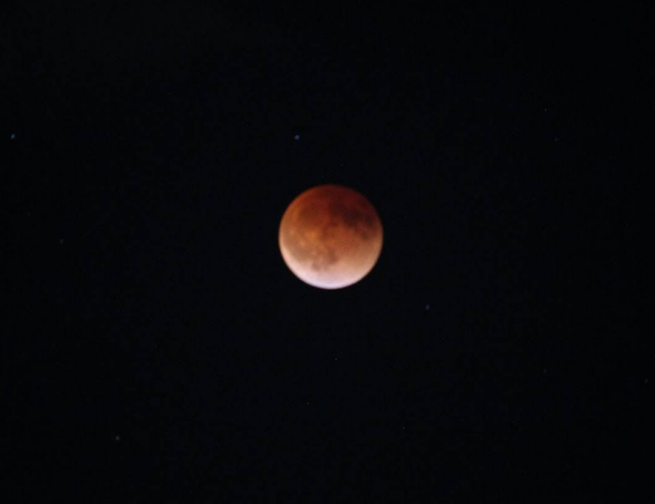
(117, 438)
(296, 137)
(61, 241)
(13, 136)
(427, 307)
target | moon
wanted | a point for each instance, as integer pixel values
(330, 236)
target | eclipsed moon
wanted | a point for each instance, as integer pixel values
(330, 236)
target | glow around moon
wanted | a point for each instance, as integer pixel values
(330, 236)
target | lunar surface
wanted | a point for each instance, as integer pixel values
(330, 236)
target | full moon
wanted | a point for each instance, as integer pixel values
(330, 236)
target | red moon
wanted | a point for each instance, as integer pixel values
(330, 236)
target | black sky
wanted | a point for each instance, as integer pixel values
(157, 347)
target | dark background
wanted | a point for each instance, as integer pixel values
(158, 349)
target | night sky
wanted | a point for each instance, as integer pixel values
(159, 350)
